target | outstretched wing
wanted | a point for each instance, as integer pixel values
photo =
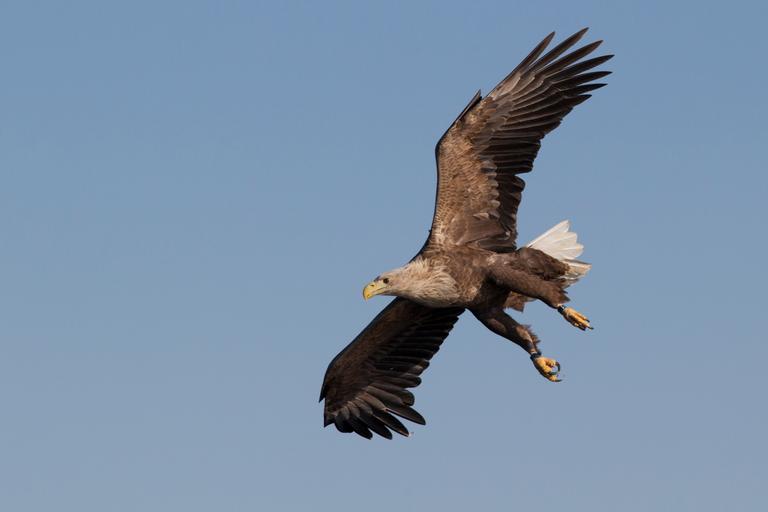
(365, 386)
(497, 138)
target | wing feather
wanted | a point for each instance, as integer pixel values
(366, 385)
(497, 138)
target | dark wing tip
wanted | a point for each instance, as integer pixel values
(541, 46)
(576, 36)
(359, 427)
(378, 421)
(589, 48)
(392, 422)
(408, 413)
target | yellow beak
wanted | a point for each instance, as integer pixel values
(373, 288)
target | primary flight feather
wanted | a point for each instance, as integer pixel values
(470, 259)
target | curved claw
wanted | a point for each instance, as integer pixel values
(575, 318)
(555, 372)
(548, 368)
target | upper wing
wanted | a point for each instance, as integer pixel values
(497, 137)
(366, 383)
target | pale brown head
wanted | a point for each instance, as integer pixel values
(388, 283)
(418, 280)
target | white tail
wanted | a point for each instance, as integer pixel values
(561, 243)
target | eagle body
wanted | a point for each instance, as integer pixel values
(471, 259)
(475, 278)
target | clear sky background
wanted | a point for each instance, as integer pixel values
(193, 194)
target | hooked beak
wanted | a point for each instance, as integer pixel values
(373, 288)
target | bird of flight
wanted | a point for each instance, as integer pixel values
(471, 259)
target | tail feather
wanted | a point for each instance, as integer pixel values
(562, 243)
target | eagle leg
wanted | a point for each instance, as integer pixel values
(575, 318)
(498, 321)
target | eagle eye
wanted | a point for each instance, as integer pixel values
(386, 280)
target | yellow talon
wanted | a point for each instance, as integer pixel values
(575, 318)
(548, 368)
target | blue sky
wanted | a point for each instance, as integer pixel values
(192, 195)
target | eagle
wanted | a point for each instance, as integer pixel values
(470, 260)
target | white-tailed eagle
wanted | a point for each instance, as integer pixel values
(471, 259)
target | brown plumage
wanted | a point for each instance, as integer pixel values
(470, 259)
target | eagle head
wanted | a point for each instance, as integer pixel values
(418, 280)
